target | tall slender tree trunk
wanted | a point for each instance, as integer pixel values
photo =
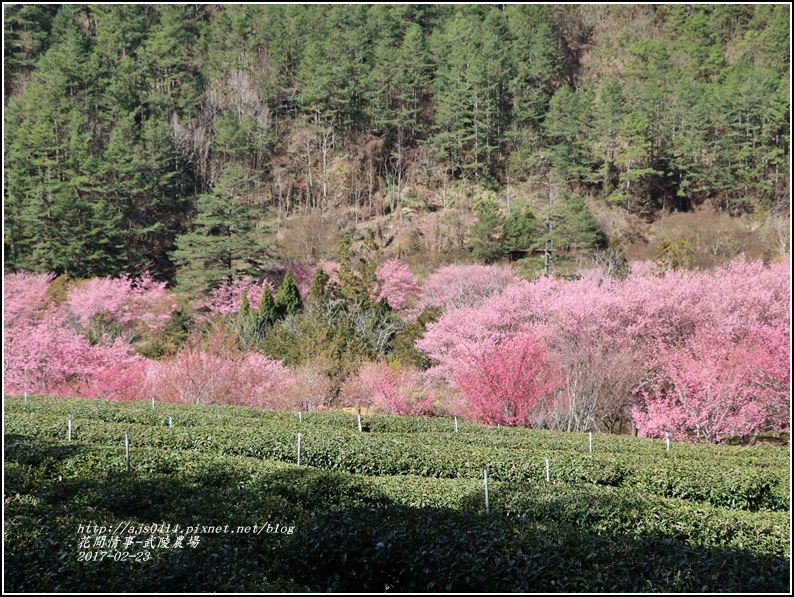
(309, 188)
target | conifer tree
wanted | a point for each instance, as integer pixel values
(520, 231)
(266, 313)
(318, 290)
(567, 126)
(244, 314)
(486, 235)
(288, 301)
(246, 324)
(26, 30)
(221, 247)
(357, 277)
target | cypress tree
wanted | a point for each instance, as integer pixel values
(351, 285)
(520, 231)
(246, 325)
(288, 299)
(244, 314)
(318, 289)
(486, 234)
(267, 308)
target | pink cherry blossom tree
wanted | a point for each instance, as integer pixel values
(225, 300)
(44, 350)
(503, 383)
(393, 390)
(24, 295)
(132, 305)
(712, 388)
(604, 333)
(456, 286)
(218, 374)
(397, 285)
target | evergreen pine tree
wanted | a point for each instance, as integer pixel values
(266, 312)
(486, 234)
(244, 314)
(453, 118)
(26, 30)
(318, 289)
(221, 246)
(288, 301)
(246, 324)
(567, 126)
(537, 62)
(609, 112)
(577, 229)
(520, 231)
(357, 272)
(173, 81)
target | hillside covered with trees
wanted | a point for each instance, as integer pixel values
(566, 217)
(201, 143)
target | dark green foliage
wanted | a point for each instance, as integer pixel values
(267, 313)
(356, 271)
(609, 113)
(403, 345)
(537, 62)
(288, 300)
(26, 29)
(342, 326)
(567, 226)
(222, 245)
(169, 57)
(122, 119)
(487, 241)
(244, 315)
(567, 125)
(83, 156)
(143, 175)
(520, 231)
(472, 102)
(578, 229)
(423, 550)
(242, 139)
(318, 291)
(337, 333)
(219, 466)
(88, 239)
(399, 81)
(724, 477)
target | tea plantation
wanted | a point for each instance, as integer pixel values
(214, 499)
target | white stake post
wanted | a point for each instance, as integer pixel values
(152, 402)
(26, 396)
(456, 423)
(591, 442)
(487, 507)
(359, 422)
(667, 440)
(299, 449)
(127, 446)
(547, 470)
(170, 422)
(300, 417)
(69, 428)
